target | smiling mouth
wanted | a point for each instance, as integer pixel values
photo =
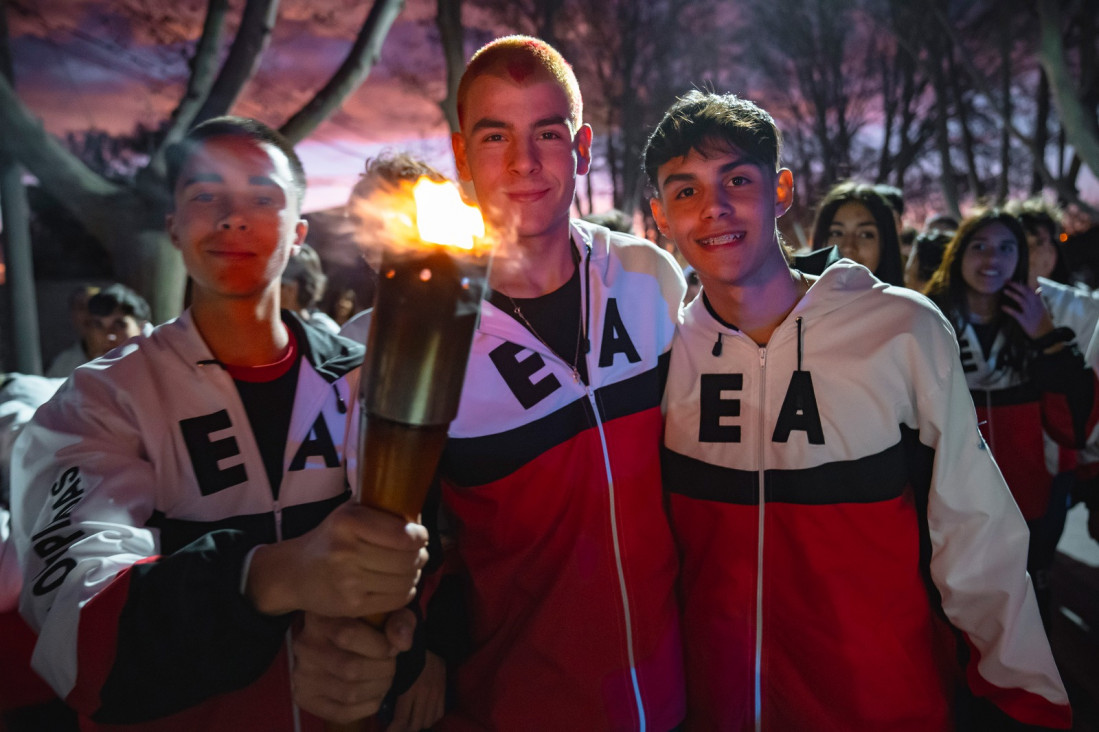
(722, 239)
(527, 195)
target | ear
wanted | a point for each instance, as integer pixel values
(784, 192)
(458, 144)
(583, 149)
(659, 216)
(170, 225)
(300, 230)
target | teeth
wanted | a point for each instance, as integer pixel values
(723, 239)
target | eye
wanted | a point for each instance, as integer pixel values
(868, 234)
(264, 200)
(550, 135)
(835, 233)
(739, 180)
(203, 197)
(685, 192)
(494, 137)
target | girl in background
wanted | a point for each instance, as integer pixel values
(858, 221)
(1024, 374)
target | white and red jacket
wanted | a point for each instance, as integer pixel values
(137, 492)
(555, 489)
(1055, 397)
(838, 514)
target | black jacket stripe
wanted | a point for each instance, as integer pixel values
(473, 461)
(874, 478)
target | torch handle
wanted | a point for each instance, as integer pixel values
(397, 463)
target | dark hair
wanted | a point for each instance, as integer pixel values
(181, 152)
(928, 249)
(948, 288)
(890, 268)
(1035, 214)
(892, 195)
(705, 121)
(938, 221)
(390, 168)
(305, 269)
(119, 297)
(614, 219)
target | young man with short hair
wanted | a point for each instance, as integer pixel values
(178, 501)
(839, 518)
(551, 471)
(115, 314)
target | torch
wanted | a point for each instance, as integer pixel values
(431, 281)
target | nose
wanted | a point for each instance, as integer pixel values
(523, 157)
(716, 204)
(846, 245)
(232, 216)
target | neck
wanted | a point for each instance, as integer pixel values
(982, 308)
(757, 308)
(533, 266)
(241, 332)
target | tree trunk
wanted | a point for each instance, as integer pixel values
(942, 139)
(25, 346)
(1041, 131)
(973, 176)
(448, 19)
(15, 213)
(1005, 134)
(1078, 128)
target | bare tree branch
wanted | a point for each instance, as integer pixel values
(351, 74)
(256, 23)
(448, 19)
(60, 172)
(203, 72)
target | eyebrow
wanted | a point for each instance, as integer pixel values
(727, 167)
(255, 180)
(488, 123)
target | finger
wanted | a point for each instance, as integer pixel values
(378, 527)
(402, 713)
(400, 627)
(359, 638)
(386, 560)
(347, 704)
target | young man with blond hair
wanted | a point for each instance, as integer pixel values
(551, 475)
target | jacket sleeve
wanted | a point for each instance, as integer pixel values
(124, 633)
(979, 549)
(1070, 395)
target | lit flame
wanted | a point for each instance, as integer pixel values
(443, 217)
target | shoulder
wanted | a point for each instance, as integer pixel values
(617, 251)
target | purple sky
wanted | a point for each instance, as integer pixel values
(85, 63)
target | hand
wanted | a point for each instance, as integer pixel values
(424, 703)
(1023, 304)
(343, 667)
(359, 561)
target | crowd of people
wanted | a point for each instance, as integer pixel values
(822, 490)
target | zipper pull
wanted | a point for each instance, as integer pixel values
(762, 357)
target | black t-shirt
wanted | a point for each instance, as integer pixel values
(267, 393)
(553, 318)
